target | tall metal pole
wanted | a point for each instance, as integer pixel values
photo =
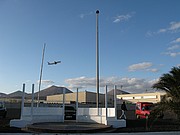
(32, 101)
(97, 59)
(106, 102)
(64, 101)
(77, 105)
(22, 103)
(41, 74)
(115, 102)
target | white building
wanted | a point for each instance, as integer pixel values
(142, 97)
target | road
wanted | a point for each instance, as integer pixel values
(142, 133)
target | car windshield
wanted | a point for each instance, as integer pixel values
(149, 107)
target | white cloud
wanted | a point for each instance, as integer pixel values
(162, 30)
(176, 40)
(178, 65)
(172, 54)
(153, 70)
(85, 14)
(173, 50)
(46, 82)
(133, 85)
(149, 34)
(122, 18)
(140, 66)
(173, 27)
(80, 82)
(174, 47)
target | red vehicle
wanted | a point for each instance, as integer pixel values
(143, 109)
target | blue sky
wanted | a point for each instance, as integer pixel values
(139, 41)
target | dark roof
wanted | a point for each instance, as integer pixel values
(53, 90)
(17, 94)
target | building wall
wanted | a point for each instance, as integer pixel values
(86, 97)
(83, 97)
(55, 98)
(70, 97)
(91, 98)
(142, 97)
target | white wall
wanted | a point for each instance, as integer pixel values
(43, 114)
(94, 111)
(55, 114)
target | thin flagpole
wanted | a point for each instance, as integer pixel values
(97, 60)
(41, 74)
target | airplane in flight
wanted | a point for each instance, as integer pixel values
(54, 63)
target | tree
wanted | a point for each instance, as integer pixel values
(170, 83)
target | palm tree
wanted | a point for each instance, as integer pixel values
(170, 83)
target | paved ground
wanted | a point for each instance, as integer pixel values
(133, 126)
(68, 127)
(142, 133)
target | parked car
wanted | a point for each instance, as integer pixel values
(143, 109)
(3, 110)
(70, 113)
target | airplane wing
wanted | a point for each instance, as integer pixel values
(57, 62)
(49, 63)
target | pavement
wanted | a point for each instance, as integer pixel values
(68, 127)
(72, 128)
(142, 133)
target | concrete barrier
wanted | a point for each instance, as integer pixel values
(92, 115)
(56, 114)
(38, 114)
